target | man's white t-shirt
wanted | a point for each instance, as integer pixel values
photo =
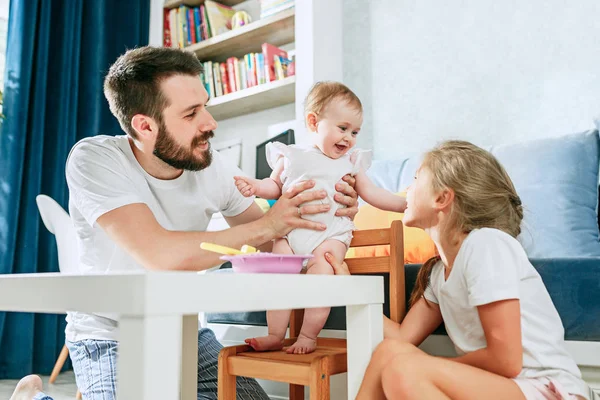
(492, 266)
(102, 175)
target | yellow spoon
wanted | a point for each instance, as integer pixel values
(246, 249)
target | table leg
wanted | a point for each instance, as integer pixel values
(149, 363)
(189, 358)
(364, 326)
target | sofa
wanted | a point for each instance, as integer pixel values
(557, 180)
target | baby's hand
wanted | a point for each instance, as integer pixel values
(247, 186)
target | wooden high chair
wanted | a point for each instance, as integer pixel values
(314, 369)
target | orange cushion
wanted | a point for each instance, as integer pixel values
(418, 246)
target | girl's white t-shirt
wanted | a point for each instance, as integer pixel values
(492, 266)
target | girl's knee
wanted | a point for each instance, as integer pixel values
(403, 374)
(393, 347)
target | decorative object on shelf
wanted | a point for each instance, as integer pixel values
(270, 7)
(239, 19)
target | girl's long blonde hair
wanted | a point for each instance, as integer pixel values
(484, 195)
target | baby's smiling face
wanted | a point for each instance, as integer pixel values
(336, 128)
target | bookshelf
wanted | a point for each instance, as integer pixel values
(253, 99)
(196, 3)
(277, 29)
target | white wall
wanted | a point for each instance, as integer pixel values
(481, 70)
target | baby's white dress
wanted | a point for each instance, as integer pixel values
(304, 163)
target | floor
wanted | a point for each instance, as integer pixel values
(63, 389)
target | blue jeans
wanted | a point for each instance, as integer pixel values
(94, 363)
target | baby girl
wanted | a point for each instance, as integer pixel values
(333, 116)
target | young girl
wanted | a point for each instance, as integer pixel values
(496, 309)
(333, 116)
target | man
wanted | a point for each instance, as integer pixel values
(144, 201)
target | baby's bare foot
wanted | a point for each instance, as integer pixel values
(27, 388)
(303, 345)
(266, 343)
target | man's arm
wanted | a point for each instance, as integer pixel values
(253, 213)
(134, 228)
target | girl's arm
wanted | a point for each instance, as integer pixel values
(268, 188)
(422, 319)
(503, 355)
(376, 196)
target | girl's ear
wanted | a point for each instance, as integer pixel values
(444, 199)
(311, 121)
(145, 126)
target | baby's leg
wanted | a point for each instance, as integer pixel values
(277, 321)
(315, 318)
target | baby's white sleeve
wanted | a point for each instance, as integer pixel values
(491, 269)
(274, 151)
(361, 160)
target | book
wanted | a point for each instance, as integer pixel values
(180, 38)
(217, 78)
(174, 27)
(219, 17)
(269, 52)
(224, 78)
(166, 28)
(191, 27)
(198, 24)
(231, 73)
(205, 24)
(282, 67)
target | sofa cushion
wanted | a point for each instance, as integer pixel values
(557, 180)
(573, 285)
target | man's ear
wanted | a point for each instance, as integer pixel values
(444, 199)
(145, 126)
(311, 121)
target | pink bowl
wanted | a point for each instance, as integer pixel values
(267, 263)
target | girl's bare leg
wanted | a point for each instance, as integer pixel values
(412, 374)
(277, 321)
(315, 318)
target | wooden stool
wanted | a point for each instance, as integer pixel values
(330, 358)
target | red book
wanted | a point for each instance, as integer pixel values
(270, 51)
(166, 28)
(191, 25)
(224, 78)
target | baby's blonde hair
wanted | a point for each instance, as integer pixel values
(484, 194)
(323, 93)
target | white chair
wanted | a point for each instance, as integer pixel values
(59, 223)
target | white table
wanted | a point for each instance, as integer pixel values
(159, 316)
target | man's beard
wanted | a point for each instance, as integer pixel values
(179, 157)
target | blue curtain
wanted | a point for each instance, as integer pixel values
(57, 55)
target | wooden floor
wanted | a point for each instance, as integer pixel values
(63, 389)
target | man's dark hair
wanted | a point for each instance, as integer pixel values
(132, 85)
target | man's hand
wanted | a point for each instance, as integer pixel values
(246, 186)
(339, 268)
(347, 196)
(286, 213)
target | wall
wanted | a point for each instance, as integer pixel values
(486, 71)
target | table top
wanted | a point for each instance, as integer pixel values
(164, 293)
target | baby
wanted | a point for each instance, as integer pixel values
(333, 116)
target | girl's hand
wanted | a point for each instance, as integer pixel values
(339, 268)
(247, 186)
